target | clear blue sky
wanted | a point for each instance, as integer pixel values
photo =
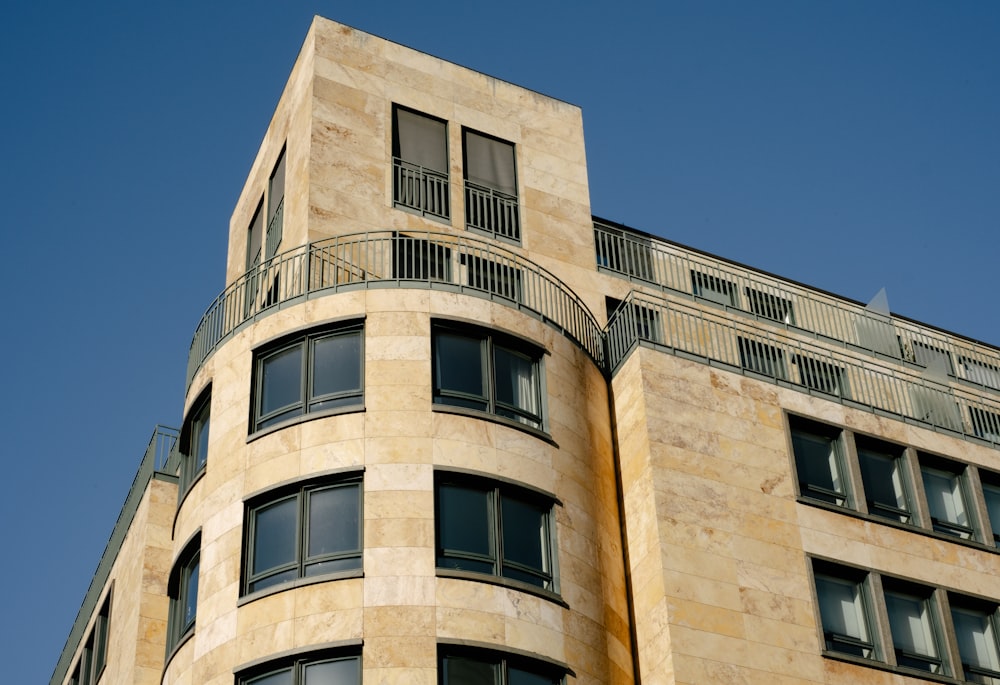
(851, 145)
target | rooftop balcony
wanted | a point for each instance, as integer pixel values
(387, 259)
(673, 269)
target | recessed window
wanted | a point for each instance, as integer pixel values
(762, 358)
(344, 670)
(498, 277)
(770, 306)
(490, 186)
(882, 473)
(420, 259)
(845, 608)
(819, 461)
(94, 657)
(194, 442)
(420, 163)
(944, 485)
(311, 531)
(821, 376)
(275, 206)
(912, 625)
(976, 632)
(991, 494)
(489, 372)
(496, 529)
(482, 667)
(183, 593)
(713, 288)
(318, 372)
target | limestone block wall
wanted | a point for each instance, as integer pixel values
(400, 608)
(718, 544)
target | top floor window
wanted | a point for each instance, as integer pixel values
(490, 186)
(420, 163)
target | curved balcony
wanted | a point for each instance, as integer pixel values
(387, 259)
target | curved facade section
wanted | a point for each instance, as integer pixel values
(475, 527)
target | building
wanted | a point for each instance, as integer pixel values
(444, 426)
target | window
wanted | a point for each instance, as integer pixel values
(985, 424)
(318, 372)
(976, 632)
(420, 259)
(980, 372)
(762, 358)
(194, 442)
(420, 163)
(344, 670)
(183, 592)
(844, 608)
(991, 494)
(94, 658)
(912, 626)
(494, 528)
(819, 461)
(821, 376)
(255, 235)
(487, 371)
(944, 485)
(275, 206)
(499, 278)
(490, 186)
(484, 667)
(310, 531)
(930, 356)
(882, 475)
(770, 306)
(713, 288)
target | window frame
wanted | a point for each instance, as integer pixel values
(186, 571)
(903, 591)
(988, 611)
(488, 403)
(858, 580)
(194, 442)
(431, 187)
(875, 449)
(958, 473)
(297, 665)
(307, 406)
(301, 494)
(506, 571)
(501, 663)
(489, 208)
(817, 432)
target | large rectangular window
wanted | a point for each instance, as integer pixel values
(420, 163)
(486, 371)
(494, 528)
(318, 372)
(913, 626)
(485, 667)
(975, 625)
(845, 608)
(944, 485)
(183, 592)
(883, 477)
(819, 461)
(310, 531)
(490, 186)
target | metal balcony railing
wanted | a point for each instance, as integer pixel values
(421, 189)
(758, 349)
(387, 259)
(490, 210)
(672, 268)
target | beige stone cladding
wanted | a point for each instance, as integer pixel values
(718, 544)
(400, 608)
(137, 587)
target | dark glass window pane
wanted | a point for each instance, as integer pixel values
(282, 380)
(464, 520)
(516, 676)
(458, 671)
(276, 579)
(525, 537)
(336, 364)
(279, 678)
(274, 535)
(202, 444)
(490, 163)
(333, 521)
(883, 485)
(515, 380)
(191, 603)
(818, 467)
(459, 361)
(339, 672)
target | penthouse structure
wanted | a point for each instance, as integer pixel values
(445, 427)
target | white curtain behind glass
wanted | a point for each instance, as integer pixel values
(841, 608)
(976, 641)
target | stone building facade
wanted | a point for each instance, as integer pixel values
(445, 426)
